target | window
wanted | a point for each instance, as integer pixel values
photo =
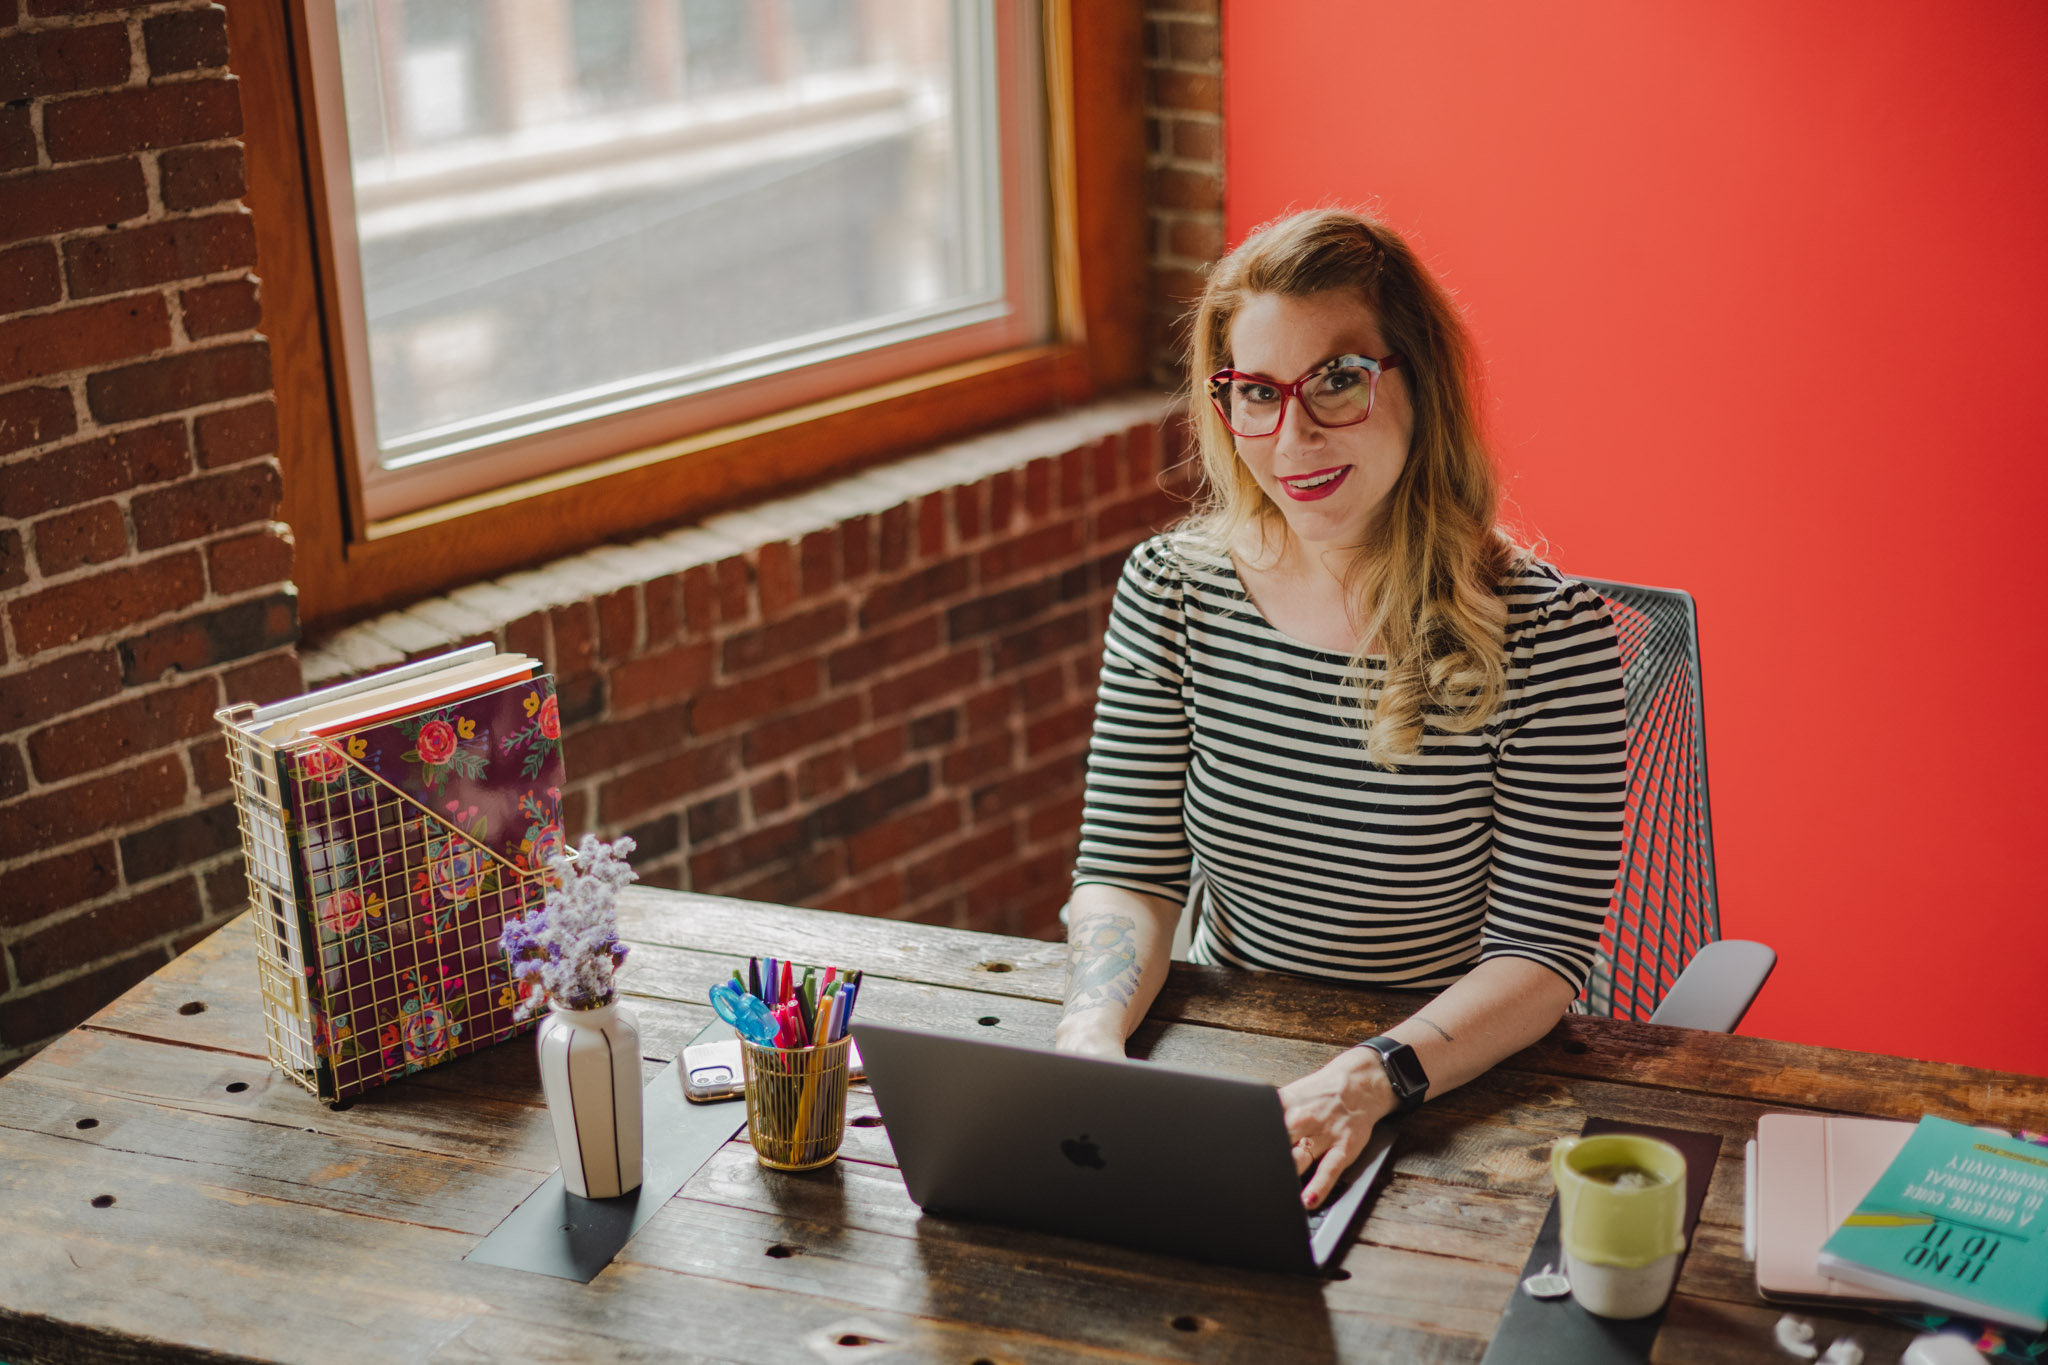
(576, 228)
(546, 274)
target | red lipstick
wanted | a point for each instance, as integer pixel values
(1321, 490)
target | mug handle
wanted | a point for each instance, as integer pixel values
(1559, 1150)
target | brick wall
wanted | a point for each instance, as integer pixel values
(1184, 156)
(874, 697)
(142, 580)
(926, 663)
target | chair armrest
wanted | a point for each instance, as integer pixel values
(1716, 987)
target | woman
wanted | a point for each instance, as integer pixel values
(1391, 739)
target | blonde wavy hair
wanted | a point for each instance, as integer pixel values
(1427, 579)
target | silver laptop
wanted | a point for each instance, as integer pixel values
(1133, 1153)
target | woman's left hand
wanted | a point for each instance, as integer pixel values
(1330, 1116)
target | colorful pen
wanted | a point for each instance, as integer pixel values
(809, 1006)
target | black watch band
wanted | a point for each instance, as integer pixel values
(1404, 1071)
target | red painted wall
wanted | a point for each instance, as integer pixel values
(1762, 292)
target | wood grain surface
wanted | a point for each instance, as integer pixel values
(165, 1195)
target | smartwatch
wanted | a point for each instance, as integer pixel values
(1404, 1072)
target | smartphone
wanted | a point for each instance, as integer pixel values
(711, 1071)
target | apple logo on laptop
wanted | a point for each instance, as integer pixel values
(1082, 1152)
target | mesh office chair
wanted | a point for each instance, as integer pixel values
(1663, 958)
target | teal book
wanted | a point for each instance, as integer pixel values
(1956, 1221)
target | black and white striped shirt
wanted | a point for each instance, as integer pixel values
(1221, 743)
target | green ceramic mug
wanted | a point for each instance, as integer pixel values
(1621, 1200)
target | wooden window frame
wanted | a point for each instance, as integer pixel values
(1093, 60)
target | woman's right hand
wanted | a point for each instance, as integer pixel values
(1091, 1033)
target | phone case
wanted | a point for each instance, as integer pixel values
(712, 1073)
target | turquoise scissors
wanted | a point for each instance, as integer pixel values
(748, 1016)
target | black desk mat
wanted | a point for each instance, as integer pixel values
(1558, 1331)
(553, 1232)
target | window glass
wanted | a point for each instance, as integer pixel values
(442, 77)
(722, 51)
(827, 32)
(607, 47)
(565, 210)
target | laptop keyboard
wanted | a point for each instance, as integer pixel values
(1320, 1214)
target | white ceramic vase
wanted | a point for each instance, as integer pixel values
(590, 1073)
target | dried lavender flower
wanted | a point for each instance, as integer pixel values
(570, 946)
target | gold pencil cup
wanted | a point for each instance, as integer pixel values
(796, 1103)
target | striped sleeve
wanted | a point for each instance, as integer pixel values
(1559, 785)
(1132, 831)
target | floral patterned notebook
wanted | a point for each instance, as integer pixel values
(415, 840)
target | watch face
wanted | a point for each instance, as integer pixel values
(1407, 1071)
(1404, 1068)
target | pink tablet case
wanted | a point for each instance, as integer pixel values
(1812, 1170)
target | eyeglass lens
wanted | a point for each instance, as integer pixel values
(1335, 397)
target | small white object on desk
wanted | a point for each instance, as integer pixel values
(1547, 1284)
(1941, 1348)
(1795, 1337)
(1843, 1351)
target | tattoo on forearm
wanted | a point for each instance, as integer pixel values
(1440, 1031)
(1102, 962)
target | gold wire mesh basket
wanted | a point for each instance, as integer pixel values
(796, 1103)
(376, 918)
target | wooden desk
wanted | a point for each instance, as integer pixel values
(247, 1220)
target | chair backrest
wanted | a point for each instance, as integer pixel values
(1664, 908)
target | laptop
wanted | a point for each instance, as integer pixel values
(1132, 1153)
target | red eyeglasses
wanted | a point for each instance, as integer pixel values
(1336, 393)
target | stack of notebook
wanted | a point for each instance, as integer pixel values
(391, 825)
(1892, 1215)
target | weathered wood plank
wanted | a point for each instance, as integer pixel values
(1786, 1075)
(851, 1336)
(1093, 1296)
(906, 951)
(1412, 1287)
(1415, 1213)
(1716, 1331)
(1651, 1055)
(266, 1280)
(293, 1281)
(1762, 1069)
(99, 1077)
(657, 973)
(246, 1253)
(266, 1160)
(711, 931)
(218, 974)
